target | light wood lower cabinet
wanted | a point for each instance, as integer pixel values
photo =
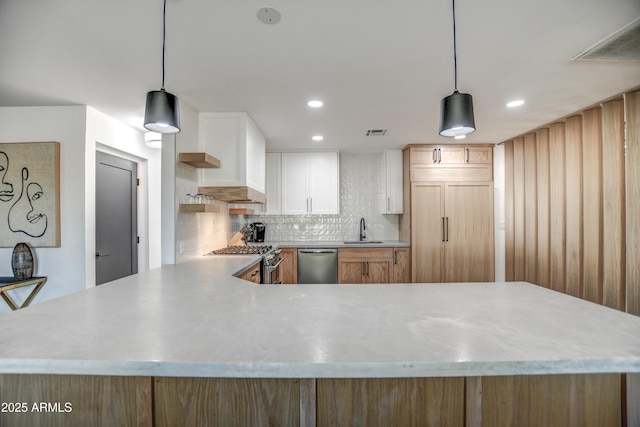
(355, 265)
(374, 265)
(289, 267)
(536, 400)
(371, 265)
(401, 265)
(253, 274)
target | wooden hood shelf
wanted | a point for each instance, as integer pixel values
(234, 194)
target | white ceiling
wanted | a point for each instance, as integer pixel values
(376, 64)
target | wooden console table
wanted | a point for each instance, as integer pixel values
(9, 283)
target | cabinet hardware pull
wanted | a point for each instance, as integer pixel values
(466, 155)
(439, 155)
(255, 273)
(443, 229)
(388, 204)
(367, 268)
(447, 229)
(395, 257)
(435, 155)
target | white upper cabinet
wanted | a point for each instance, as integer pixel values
(392, 192)
(237, 142)
(273, 184)
(310, 183)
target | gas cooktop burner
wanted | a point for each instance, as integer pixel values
(242, 250)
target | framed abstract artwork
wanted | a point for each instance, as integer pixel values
(30, 194)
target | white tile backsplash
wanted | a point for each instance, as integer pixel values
(360, 194)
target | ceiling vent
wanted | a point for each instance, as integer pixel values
(376, 132)
(623, 45)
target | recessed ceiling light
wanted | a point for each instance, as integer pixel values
(515, 103)
(315, 103)
(317, 137)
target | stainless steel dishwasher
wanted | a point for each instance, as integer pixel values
(317, 266)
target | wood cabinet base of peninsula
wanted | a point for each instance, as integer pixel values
(534, 400)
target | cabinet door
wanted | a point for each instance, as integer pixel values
(289, 266)
(401, 265)
(252, 274)
(323, 183)
(478, 155)
(469, 239)
(273, 184)
(392, 186)
(294, 183)
(451, 155)
(427, 232)
(377, 270)
(351, 271)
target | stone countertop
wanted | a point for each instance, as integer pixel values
(194, 319)
(339, 244)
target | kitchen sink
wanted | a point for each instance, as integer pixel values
(361, 242)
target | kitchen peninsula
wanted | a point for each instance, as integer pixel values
(191, 344)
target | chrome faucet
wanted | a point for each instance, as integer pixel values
(363, 228)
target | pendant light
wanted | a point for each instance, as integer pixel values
(162, 111)
(456, 110)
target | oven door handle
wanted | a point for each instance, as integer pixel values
(272, 267)
(278, 282)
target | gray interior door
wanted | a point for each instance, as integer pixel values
(116, 218)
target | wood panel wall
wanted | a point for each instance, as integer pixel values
(632, 111)
(592, 204)
(573, 204)
(557, 203)
(543, 211)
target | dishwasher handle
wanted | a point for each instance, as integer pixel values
(317, 251)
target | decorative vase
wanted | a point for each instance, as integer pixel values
(22, 262)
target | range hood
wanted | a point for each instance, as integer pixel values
(236, 140)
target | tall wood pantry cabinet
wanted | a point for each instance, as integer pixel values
(448, 212)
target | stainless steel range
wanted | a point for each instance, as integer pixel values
(271, 268)
(270, 263)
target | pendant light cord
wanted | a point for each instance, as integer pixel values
(455, 57)
(164, 29)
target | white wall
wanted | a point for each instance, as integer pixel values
(81, 130)
(113, 137)
(186, 236)
(64, 266)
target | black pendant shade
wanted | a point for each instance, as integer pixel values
(162, 112)
(456, 110)
(456, 115)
